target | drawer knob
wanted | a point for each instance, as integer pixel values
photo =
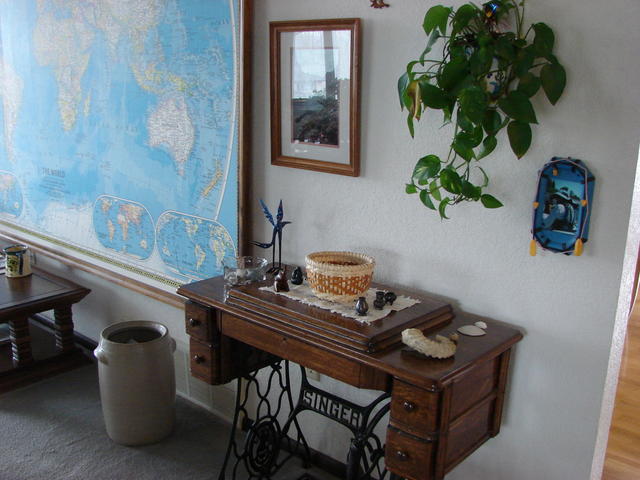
(409, 406)
(193, 322)
(401, 455)
(198, 358)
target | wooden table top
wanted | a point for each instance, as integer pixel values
(35, 293)
(286, 316)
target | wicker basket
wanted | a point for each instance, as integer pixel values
(339, 276)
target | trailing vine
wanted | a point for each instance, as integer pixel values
(483, 83)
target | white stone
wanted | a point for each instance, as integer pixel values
(471, 330)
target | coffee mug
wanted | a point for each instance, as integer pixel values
(18, 261)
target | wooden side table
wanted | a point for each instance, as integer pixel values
(23, 297)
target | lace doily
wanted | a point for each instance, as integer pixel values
(304, 294)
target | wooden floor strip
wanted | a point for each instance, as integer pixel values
(622, 461)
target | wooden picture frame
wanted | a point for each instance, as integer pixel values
(315, 94)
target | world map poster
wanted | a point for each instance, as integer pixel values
(119, 130)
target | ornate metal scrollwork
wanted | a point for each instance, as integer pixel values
(268, 446)
(262, 454)
(366, 453)
(263, 446)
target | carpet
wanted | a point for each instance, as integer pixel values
(54, 430)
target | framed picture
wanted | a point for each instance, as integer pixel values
(315, 104)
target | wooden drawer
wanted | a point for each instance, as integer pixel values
(204, 361)
(414, 409)
(199, 321)
(474, 386)
(469, 431)
(296, 350)
(218, 363)
(408, 456)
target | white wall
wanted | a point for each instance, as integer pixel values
(478, 259)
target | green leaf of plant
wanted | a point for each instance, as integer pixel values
(434, 189)
(442, 207)
(466, 140)
(543, 40)
(473, 102)
(467, 81)
(426, 200)
(492, 121)
(427, 167)
(451, 181)
(436, 17)
(403, 83)
(476, 136)
(410, 123)
(524, 61)
(453, 73)
(446, 111)
(460, 146)
(469, 190)
(432, 39)
(519, 137)
(486, 178)
(410, 188)
(466, 153)
(488, 145)
(490, 201)
(504, 48)
(554, 79)
(480, 61)
(433, 96)
(463, 122)
(462, 17)
(529, 84)
(518, 107)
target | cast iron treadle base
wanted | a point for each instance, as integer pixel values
(260, 457)
(264, 450)
(366, 453)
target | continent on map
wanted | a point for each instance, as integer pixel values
(171, 127)
(119, 130)
(123, 226)
(193, 246)
(10, 195)
(128, 214)
(11, 86)
(63, 44)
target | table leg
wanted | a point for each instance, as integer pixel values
(259, 456)
(20, 341)
(366, 453)
(64, 328)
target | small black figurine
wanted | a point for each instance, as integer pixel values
(280, 283)
(296, 276)
(379, 302)
(278, 226)
(390, 297)
(362, 307)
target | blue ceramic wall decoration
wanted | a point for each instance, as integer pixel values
(562, 206)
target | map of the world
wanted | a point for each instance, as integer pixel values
(119, 130)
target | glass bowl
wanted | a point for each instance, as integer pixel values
(243, 270)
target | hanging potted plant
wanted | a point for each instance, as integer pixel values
(490, 68)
